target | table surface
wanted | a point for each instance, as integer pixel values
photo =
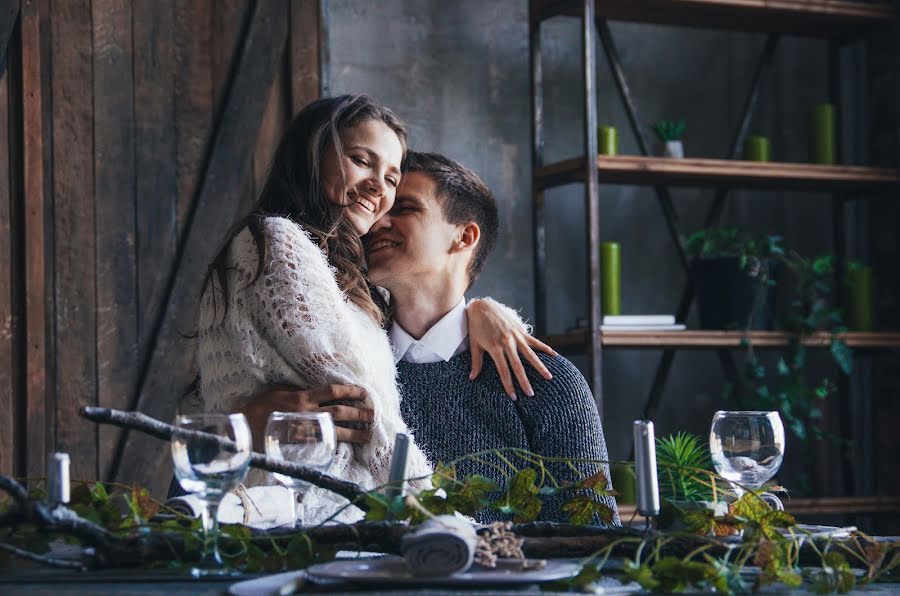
(53, 581)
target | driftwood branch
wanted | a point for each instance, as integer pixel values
(42, 559)
(541, 540)
(163, 431)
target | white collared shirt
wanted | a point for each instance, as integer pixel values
(446, 338)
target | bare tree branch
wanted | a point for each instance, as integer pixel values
(52, 562)
(15, 490)
(151, 426)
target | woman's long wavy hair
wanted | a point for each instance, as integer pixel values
(294, 189)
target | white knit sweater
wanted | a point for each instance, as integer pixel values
(294, 326)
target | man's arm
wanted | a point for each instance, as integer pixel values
(561, 420)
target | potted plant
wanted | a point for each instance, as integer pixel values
(686, 482)
(733, 275)
(669, 133)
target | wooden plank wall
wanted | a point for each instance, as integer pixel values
(107, 115)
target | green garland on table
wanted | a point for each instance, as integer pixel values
(658, 561)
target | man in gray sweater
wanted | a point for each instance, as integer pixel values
(427, 251)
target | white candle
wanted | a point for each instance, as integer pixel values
(645, 468)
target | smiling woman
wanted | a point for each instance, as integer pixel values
(289, 304)
(363, 176)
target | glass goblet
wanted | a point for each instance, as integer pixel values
(747, 449)
(306, 438)
(211, 453)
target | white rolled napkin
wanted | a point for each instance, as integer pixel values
(440, 547)
(266, 507)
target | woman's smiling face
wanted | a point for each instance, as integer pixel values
(371, 159)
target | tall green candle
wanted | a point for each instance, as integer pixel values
(860, 305)
(756, 148)
(610, 297)
(607, 140)
(822, 134)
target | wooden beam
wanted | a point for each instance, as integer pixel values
(165, 376)
(8, 277)
(74, 281)
(194, 96)
(9, 14)
(155, 161)
(114, 200)
(305, 55)
(38, 232)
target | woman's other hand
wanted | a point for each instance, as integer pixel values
(319, 399)
(493, 330)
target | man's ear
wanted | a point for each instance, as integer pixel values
(468, 237)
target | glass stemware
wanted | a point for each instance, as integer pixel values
(305, 438)
(211, 453)
(747, 449)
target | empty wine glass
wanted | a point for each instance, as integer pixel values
(305, 438)
(211, 453)
(747, 449)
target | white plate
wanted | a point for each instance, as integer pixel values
(392, 570)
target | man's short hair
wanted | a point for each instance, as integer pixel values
(464, 197)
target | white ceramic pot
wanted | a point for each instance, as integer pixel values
(673, 149)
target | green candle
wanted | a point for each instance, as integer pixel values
(607, 140)
(610, 297)
(822, 134)
(859, 299)
(756, 148)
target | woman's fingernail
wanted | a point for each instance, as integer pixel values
(471, 376)
(512, 396)
(530, 392)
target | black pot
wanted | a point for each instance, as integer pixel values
(727, 294)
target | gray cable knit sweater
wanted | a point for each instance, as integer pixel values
(452, 416)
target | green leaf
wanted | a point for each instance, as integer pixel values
(641, 574)
(783, 369)
(835, 576)
(472, 495)
(581, 510)
(444, 476)
(774, 560)
(843, 355)
(378, 507)
(589, 574)
(522, 496)
(677, 575)
(98, 494)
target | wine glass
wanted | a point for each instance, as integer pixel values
(747, 449)
(211, 453)
(306, 438)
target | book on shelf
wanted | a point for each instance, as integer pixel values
(638, 320)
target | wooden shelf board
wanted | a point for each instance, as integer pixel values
(721, 173)
(576, 340)
(811, 506)
(807, 18)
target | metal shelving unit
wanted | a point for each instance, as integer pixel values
(839, 22)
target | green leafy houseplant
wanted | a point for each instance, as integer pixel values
(784, 387)
(669, 130)
(683, 465)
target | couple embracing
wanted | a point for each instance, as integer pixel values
(343, 292)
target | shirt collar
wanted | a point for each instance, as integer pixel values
(444, 340)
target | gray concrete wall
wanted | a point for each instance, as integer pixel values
(457, 72)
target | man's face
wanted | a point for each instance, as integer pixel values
(413, 241)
